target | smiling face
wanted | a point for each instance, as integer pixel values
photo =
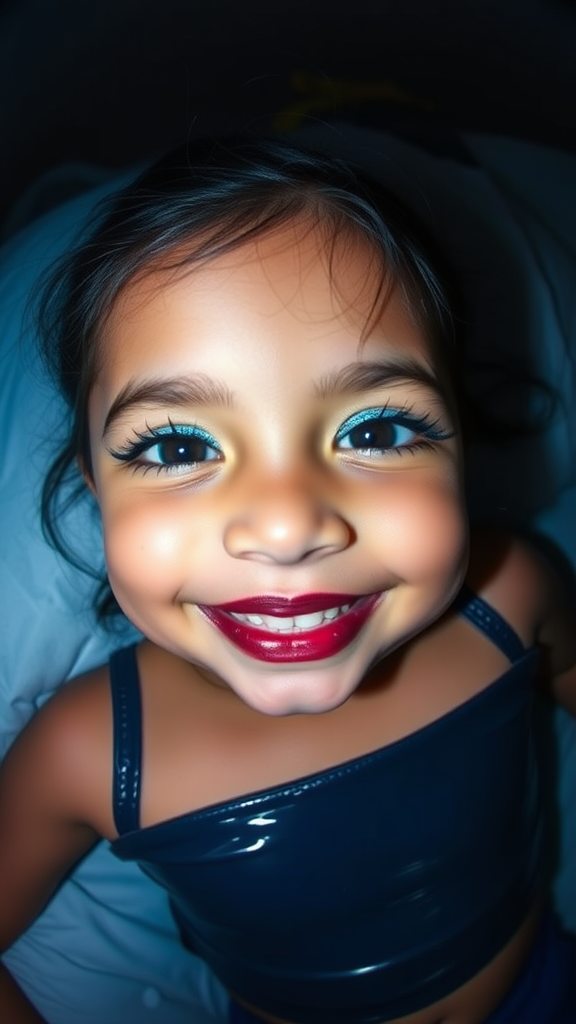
(281, 496)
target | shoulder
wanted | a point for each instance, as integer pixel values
(54, 798)
(62, 761)
(509, 573)
(527, 588)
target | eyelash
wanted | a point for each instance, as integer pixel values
(402, 419)
(133, 451)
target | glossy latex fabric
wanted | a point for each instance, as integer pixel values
(363, 892)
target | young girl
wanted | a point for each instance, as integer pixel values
(322, 748)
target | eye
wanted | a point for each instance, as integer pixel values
(179, 450)
(384, 429)
(379, 434)
(173, 448)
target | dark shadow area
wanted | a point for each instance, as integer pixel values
(112, 81)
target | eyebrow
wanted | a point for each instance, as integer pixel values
(159, 391)
(354, 378)
(359, 377)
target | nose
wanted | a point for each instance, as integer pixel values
(286, 523)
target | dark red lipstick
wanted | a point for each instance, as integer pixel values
(302, 605)
(300, 644)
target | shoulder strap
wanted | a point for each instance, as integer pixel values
(485, 618)
(127, 730)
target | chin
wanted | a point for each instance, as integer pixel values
(307, 692)
(284, 708)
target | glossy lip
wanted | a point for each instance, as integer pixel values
(271, 605)
(308, 645)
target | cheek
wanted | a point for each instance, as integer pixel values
(143, 547)
(423, 530)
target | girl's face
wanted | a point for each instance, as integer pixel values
(281, 500)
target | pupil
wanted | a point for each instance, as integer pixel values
(176, 450)
(373, 434)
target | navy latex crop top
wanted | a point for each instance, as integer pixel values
(366, 891)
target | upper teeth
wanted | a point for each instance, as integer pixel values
(291, 623)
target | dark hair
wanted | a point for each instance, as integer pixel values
(197, 203)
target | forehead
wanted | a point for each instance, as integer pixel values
(272, 328)
(288, 286)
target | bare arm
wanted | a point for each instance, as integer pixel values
(15, 1006)
(50, 816)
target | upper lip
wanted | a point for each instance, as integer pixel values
(302, 605)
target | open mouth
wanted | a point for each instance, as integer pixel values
(310, 633)
(292, 623)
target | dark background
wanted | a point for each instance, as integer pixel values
(114, 80)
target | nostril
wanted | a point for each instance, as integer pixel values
(287, 533)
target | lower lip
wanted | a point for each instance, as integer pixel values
(310, 645)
